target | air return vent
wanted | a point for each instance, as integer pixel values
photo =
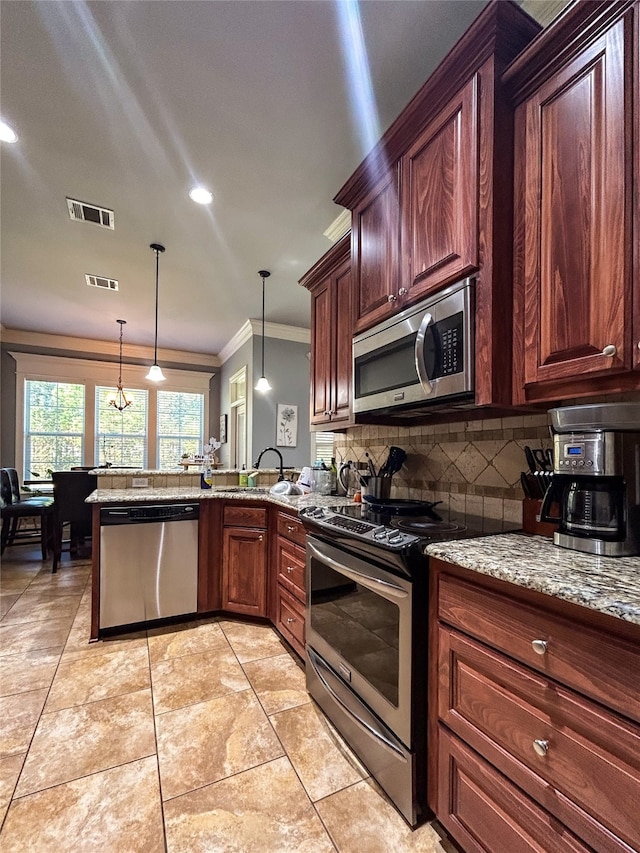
(101, 282)
(83, 212)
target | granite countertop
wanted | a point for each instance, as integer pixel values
(608, 584)
(189, 493)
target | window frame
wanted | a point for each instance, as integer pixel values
(96, 373)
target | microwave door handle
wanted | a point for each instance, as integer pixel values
(421, 367)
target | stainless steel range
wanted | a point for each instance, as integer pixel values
(366, 629)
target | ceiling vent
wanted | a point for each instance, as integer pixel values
(101, 282)
(82, 212)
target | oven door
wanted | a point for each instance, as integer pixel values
(359, 619)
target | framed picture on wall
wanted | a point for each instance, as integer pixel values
(223, 429)
(286, 425)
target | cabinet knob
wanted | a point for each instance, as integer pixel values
(610, 350)
(290, 620)
(638, 344)
(290, 569)
(260, 538)
(541, 747)
(391, 297)
(291, 527)
(403, 291)
(326, 414)
(539, 646)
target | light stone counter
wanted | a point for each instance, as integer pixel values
(608, 584)
(188, 493)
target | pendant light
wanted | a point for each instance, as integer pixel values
(263, 383)
(155, 372)
(118, 398)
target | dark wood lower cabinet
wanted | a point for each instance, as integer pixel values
(532, 753)
(244, 571)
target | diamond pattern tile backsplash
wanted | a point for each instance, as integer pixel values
(474, 466)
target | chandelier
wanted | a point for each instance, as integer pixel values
(118, 399)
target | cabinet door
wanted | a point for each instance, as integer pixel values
(343, 329)
(376, 243)
(577, 277)
(440, 198)
(244, 571)
(322, 332)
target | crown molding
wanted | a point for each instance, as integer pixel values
(271, 330)
(339, 227)
(88, 347)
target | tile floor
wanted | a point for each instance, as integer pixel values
(183, 739)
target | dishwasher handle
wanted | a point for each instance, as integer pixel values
(148, 513)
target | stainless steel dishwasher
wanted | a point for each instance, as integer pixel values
(148, 562)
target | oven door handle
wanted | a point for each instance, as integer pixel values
(370, 725)
(421, 366)
(373, 584)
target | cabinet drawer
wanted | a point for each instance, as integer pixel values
(290, 619)
(485, 813)
(597, 664)
(291, 528)
(291, 568)
(581, 762)
(245, 516)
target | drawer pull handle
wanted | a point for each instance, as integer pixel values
(290, 569)
(391, 297)
(291, 527)
(541, 747)
(539, 646)
(289, 621)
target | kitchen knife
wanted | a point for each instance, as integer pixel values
(531, 459)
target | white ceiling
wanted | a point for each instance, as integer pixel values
(128, 104)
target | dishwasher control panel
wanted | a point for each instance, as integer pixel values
(148, 513)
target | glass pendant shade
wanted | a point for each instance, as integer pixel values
(263, 383)
(155, 372)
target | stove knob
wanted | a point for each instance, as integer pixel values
(394, 537)
(379, 532)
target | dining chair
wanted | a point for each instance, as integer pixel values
(70, 488)
(14, 507)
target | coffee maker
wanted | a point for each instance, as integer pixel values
(594, 496)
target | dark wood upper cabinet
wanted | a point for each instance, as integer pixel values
(329, 282)
(433, 202)
(575, 266)
(440, 198)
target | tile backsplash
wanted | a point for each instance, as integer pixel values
(474, 466)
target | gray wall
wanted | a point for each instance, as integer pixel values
(7, 411)
(287, 369)
(240, 358)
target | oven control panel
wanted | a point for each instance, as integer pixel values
(387, 537)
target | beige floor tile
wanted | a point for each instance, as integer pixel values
(28, 636)
(250, 641)
(360, 818)
(94, 677)
(189, 679)
(28, 670)
(113, 811)
(79, 641)
(263, 810)
(278, 681)
(37, 607)
(188, 639)
(57, 584)
(7, 600)
(88, 738)
(10, 768)
(321, 759)
(203, 743)
(19, 716)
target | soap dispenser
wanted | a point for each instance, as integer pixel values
(242, 477)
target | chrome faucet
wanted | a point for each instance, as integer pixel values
(257, 464)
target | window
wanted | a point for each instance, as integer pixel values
(180, 426)
(323, 447)
(121, 436)
(54, 427)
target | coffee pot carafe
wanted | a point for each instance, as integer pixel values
(595, 493)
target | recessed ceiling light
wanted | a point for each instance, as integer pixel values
(200, 195)
(7, 134)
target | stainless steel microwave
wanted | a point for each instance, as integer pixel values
(423, 355)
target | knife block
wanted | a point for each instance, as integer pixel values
(530, 523)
